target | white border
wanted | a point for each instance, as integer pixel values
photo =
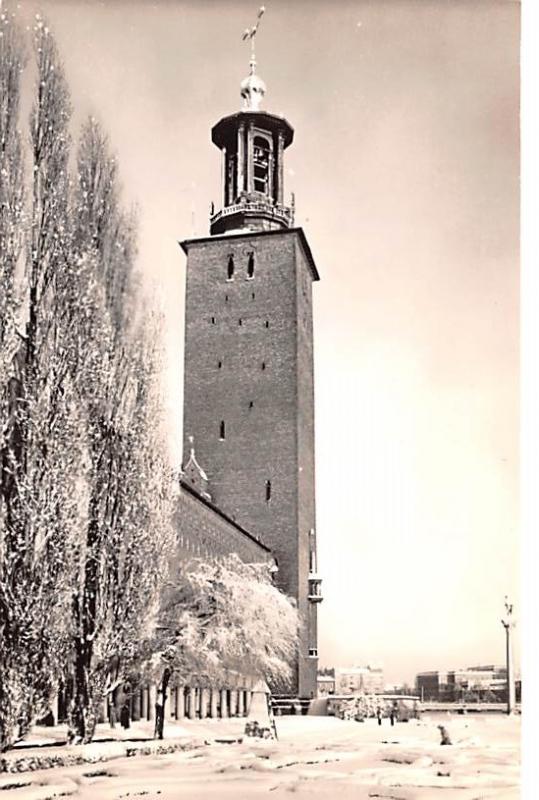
(530, 397)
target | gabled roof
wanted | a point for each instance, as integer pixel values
(193, 491)
(193, 463)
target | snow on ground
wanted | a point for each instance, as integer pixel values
(43, 736)
(315, 757)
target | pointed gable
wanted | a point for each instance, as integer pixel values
(194, 474)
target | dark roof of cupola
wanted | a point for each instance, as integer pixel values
(224, 131)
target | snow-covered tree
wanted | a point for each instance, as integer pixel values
(129, 532)
(126, 552)
(11, 195)
(44, 435)
(224, 617)
(11, 246)
(102, 227)
(86, 487)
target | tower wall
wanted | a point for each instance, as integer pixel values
(261, 472)
(308, 665)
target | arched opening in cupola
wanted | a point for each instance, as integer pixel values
(261, 163)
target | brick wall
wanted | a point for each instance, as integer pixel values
(307, 665)
(248, 364)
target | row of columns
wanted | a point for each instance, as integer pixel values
(192, 703)
(182, 703)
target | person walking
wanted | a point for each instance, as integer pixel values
(379, 715)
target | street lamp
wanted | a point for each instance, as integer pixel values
(509, 623)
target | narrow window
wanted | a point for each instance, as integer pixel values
(226, 298)
(222, 430)
(312, 552)
(268, 491)
(251, 404)
(230, 268)
(251, 266)
(263, 365)
(219, 364)
(267, 324)
(253, 296)
(240, 322)
(213, 320)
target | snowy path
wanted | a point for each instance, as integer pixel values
(316, 757)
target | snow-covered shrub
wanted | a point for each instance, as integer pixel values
(222, 617)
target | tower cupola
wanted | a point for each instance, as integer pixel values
(252, 143)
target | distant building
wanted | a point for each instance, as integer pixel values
(479, 682)
(431, 685)
(351, 680)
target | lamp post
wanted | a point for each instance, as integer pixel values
(509, 623)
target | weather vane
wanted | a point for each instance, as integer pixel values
(250, 33)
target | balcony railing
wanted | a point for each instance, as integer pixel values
(315, 588)
(254, 207)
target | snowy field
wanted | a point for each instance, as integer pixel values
(318, 757)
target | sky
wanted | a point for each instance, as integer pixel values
(405, 170)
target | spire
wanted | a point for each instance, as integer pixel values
(253, 87)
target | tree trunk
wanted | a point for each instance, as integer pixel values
(82, 720)
(112, 710)
(7, 721)
(84, 608)
(80, 700)
(160, 703)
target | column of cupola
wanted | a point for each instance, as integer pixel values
(241, 159)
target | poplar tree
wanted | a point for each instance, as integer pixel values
(129, 533)
(44, 453)
(85, 490)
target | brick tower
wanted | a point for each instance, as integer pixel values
(249, 388)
